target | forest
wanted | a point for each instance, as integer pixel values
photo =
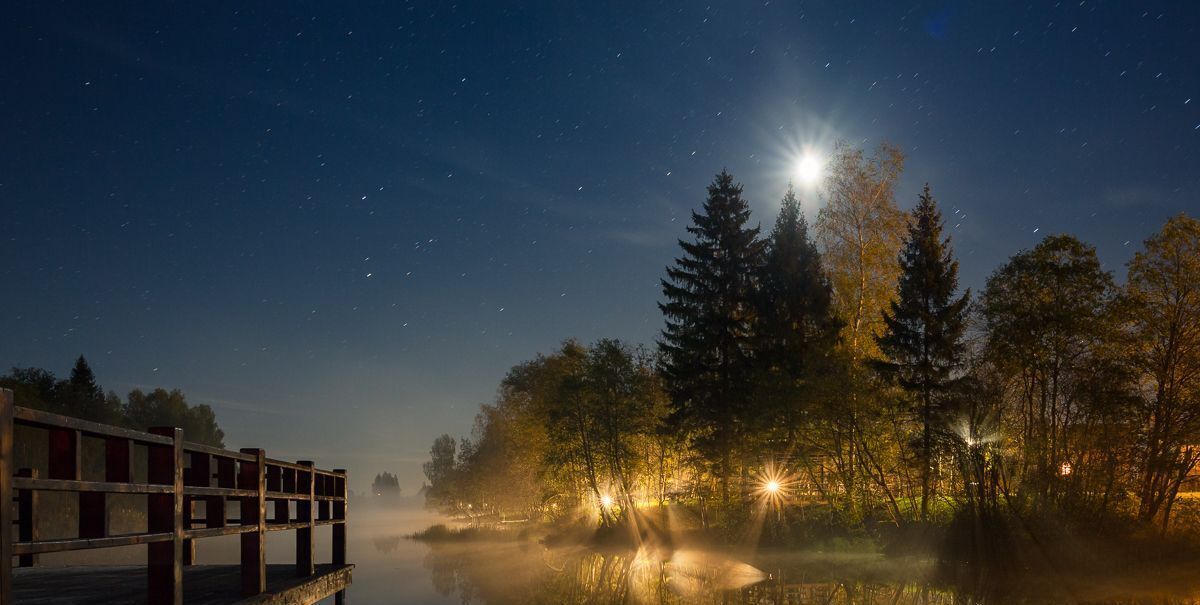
(839, 374)
(81, 396)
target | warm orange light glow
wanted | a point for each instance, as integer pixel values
(773, 485)
(606, 501)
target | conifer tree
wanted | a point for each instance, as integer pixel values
(924, 327)
(795, 325)
(709, 296)
(83, 380)
(81, 396)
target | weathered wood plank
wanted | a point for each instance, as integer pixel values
(34, 417)
(220, 491)
(45, 546)
(252, 475)
(211, 532)
(304, 514)
(339, 514)
(165, 514)
(6, 494)
(191, 446)
(296, 466)
(27, 528)
(66, 485)
(206, 585)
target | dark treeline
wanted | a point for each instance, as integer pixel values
(840, 369)
(80, 396)
(386, 485)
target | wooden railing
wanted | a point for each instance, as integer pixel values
(179, 474)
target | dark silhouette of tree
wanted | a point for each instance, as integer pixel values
(1163, 296)
(440, 469)
(385, 485)
(83, 380)
(1048, 320)
(795, 329)
(81, 396)
(34, 388)
(922, 338)
(161, 407)
(709, 294)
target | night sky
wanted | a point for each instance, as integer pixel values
(340, 225)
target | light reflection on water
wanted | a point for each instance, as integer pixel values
(394, 569)
(502, 574)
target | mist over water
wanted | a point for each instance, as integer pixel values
(391, 568)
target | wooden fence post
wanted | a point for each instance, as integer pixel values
(6, 469)
(339, 512)
(254, 509)
(304, 514)
(165, 514)
(339, 529)
(27, 529)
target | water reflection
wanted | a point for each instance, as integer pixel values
(504, 573)
(386, 544)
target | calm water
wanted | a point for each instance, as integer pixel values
(392, 569)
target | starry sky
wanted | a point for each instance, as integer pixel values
(340, 223)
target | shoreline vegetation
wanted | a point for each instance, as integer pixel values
(833, 385)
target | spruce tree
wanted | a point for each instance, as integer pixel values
(922, 340)
(795, 327)
(795, 309)
(83, 380)
(709, 294)
(81, 396)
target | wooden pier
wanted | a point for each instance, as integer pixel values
(270, 495)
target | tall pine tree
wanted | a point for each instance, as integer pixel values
(82, 397)
(795, 328)
(709, 307)
(922, 340)
(83, 380)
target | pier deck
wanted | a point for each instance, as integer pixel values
(204, 585)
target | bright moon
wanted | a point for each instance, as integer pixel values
(808, 169)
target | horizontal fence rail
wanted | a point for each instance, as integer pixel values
(179, 475)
